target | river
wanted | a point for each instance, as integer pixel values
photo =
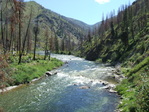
(62, 92)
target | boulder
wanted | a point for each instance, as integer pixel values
(48, 73)
(75, 84)
(84, 87)
(91, 81)
(34, 80)
(54, 73)
(66, 62)
(112, 91)
(107, 87)
(104, 83)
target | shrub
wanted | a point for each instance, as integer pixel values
(4, 76)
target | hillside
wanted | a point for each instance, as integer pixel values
(53, 19)
(64, 31)
(124, 40)
(77, 23)
(62, 26)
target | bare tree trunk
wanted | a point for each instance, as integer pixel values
(46, 49)
(28, 42)
(46, 43)
(34, 56)
(20, 29)
(36, 31)
(25, 38)
(2, 32)
(6, 35)
(19, 39)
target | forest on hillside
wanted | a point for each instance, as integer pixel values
(119, 34)
(122, 39)
(27, 27)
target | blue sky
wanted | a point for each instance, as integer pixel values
(88, 11)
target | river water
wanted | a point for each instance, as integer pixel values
(62, 92)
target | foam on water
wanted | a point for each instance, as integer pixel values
(67, 58)
(62, 75)
(61, 92)
(43, 83)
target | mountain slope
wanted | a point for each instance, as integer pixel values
(60, 29)
(57, 22)
(69, 30)
(124, 40)
(77, 23)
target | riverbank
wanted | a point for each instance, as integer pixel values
(134, 89)
(28, 71)
(113, 80)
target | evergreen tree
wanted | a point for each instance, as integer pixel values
(112, 30)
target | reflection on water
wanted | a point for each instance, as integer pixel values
(62, 93)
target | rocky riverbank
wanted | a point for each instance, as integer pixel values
(112, 79)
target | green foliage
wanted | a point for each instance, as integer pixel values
(99, 60)
(135, 88)
(25, 72)
(66, 52)
(142, 94)
(121, 89)
(139, 66)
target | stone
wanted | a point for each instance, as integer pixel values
(91, 81)
(48, 73)
(34, 80)
(112, 91)
(75, 84)
(55, 73)
(104, 83)
(84, 87)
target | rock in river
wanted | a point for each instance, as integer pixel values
(48, 73)
(84, 87)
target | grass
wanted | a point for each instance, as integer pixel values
(135, 88)
(139, 66)
(29, 70)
